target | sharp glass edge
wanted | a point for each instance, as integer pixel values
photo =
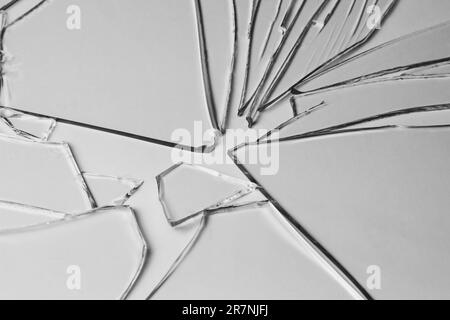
(391, 114)
(224, 121)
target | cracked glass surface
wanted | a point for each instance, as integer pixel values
(106, 245)
(362, 111)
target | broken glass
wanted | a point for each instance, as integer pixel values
(239, 249)
(387, 200)
(77, 50)
(29, 127)
(208, 190)
(97, 255)
(15, 215)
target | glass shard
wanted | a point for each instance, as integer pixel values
(386, 203)
(152, 44)
(252, 254)
(324, 40)
(42, 174)
(22, 125)
(218, 28)
(111, 191)
(97, 255)
(208, 190)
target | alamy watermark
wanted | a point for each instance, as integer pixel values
(373, 281)
(267, 156)
(73, 281)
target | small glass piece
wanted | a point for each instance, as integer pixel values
(207, 190)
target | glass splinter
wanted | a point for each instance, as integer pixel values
(208, 190)
(111, 191)
(96, 255)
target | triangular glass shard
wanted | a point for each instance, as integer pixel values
(97, 255)
(372, 199)
(111, 191)
(42, 174)
(22, 125)
(252, 254)
(111, 64)
(208, 190)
